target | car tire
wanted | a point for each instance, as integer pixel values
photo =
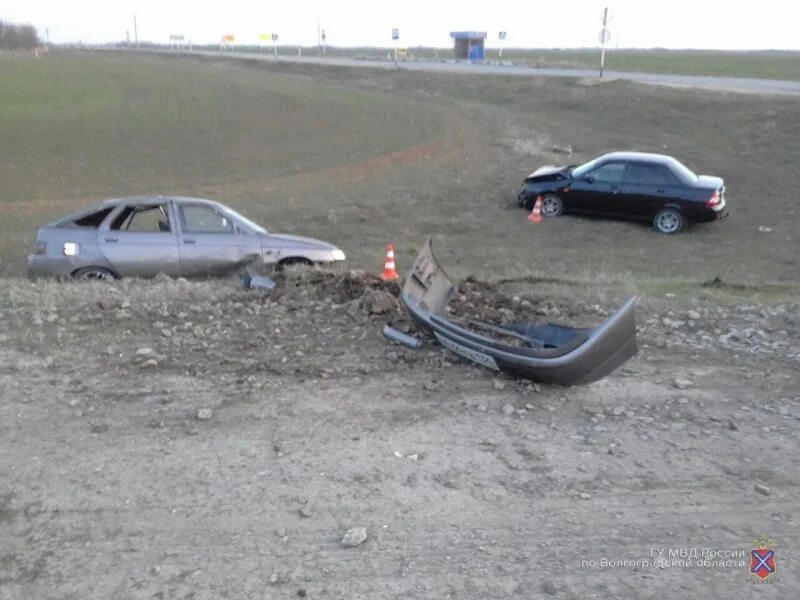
(292, 261)
(669, 221)
(552, 206)
(94, 274)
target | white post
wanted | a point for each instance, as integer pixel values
(603, 41)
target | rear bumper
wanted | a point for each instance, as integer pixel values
(51, 266)
(708, 215)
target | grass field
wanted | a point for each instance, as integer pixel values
(362, 158)
(80, 129)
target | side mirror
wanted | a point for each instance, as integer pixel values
(588, 179)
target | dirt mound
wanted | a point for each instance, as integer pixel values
(338, 287)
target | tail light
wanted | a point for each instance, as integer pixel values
(40, 248)
(714, 201)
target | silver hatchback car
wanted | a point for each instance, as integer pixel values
(178, 236)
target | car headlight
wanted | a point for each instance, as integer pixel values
(71, 249)
(337, 255)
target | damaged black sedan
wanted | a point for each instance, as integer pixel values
(653, 188)
(540, 352)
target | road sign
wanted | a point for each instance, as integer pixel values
(265, 37)
(176, 37)
(502, 35)
(395, 34)
(228, 38)
(274, 37)
(323, 35)
(605, 35)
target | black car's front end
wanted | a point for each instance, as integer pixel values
(542, 181)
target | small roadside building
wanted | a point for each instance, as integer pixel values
(468, 45)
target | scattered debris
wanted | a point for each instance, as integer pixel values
(354, 537)
(761, 489)
(682, 384)
(764, 229)
(252, 282)
(204, 414)
(402, 338)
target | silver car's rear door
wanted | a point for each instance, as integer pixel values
(139, 239)
(210, 243)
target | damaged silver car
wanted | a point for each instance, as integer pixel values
(177, 236)
(540, 352)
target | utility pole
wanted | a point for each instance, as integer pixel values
(603, 40)
(47, 36)
(135, 32)
(319, 36)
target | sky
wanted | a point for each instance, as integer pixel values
(769, 24)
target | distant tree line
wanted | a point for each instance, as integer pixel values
(17, 37)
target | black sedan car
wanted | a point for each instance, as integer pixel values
(636, 185)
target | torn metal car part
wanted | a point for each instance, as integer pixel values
(252, 282)
(400, 337)
(547, 353)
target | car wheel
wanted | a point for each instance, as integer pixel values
(552, 206)
(93, 273)
(292, 261)
(668, 221)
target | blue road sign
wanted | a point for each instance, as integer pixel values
(395, 34)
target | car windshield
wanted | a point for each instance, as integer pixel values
(254, 227)
(585, 168)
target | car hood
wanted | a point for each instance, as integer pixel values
(285, 240)
(709, 182)
(548, 172)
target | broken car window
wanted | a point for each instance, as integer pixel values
(148, 218)
(93, 219)
(196, 218)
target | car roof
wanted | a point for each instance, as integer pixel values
(158, 198)
(662, 159)
(112, 202)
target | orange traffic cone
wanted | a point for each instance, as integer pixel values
(536, 213)
(389, 273)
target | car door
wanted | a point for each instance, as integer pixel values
(637, 190)
(139, 239)
(647, 188)
(210, 243)
(596, 192)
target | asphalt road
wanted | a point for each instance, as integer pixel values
(728, 84)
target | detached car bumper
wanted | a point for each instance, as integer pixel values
(548, 353)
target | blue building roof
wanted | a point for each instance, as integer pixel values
(468, 35)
